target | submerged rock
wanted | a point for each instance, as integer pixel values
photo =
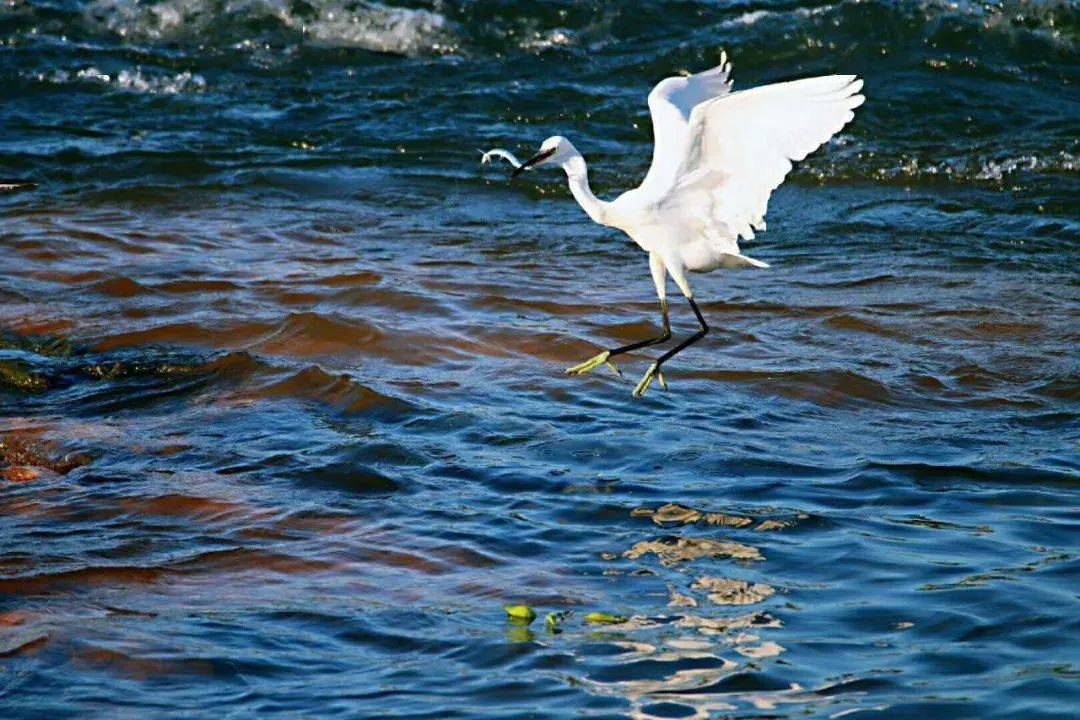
(673, 513)
(677, 599)
(677, 549)
(713, 626)
(770, 525)
(724, 591)
(764, 650)
(727, 520)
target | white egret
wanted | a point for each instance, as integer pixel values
(717, 157)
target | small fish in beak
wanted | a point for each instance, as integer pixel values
(16, 185)
(499, 152)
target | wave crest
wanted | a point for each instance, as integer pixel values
(350, 23)
(134, 80)
(971, 168)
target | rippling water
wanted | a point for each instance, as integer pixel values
(283, 422)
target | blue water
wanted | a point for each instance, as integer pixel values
(283, 416)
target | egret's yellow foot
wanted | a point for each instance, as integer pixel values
(652, 372)
(592, 363)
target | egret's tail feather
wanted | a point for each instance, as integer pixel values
(714, 260)
(727, 260)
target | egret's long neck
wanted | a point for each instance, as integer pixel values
(577, 174)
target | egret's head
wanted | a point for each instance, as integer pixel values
(553, 151)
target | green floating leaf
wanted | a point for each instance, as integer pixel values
(554, 618)
(603, 618)
(520, 613)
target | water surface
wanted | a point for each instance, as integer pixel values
(283, 418)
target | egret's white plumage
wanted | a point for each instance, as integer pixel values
(718, 155)
(670, 105)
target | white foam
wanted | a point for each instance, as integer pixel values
(973, 168)
(749, 18)
(376, 27)
(134, 80)
(754, 16)
(551, 38)
(332, 23)
(991, 169)
(160, 21)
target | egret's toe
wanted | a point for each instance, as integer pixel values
(591, 364)
(646, 381)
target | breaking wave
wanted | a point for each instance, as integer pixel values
(135, 80)
(366, 25)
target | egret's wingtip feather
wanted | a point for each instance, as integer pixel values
(672, 103)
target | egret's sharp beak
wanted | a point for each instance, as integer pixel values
(538, 157)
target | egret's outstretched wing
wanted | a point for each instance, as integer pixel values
(739, 148)
(670, 105)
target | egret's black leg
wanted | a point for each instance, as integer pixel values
(662, 337)
(605, 356)
(654, 369)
